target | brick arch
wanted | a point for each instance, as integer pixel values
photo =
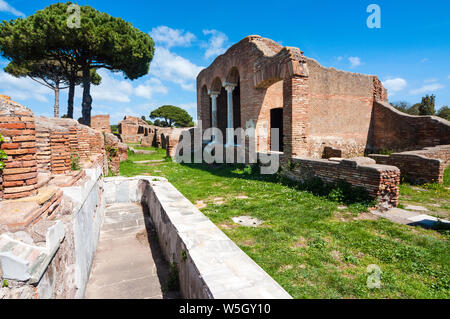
(287, 63)
(216, 85)
(233, 75)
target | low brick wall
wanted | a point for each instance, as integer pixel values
(18, 129)
(421, 166)
(380, 181)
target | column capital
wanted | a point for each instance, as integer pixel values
(213, 93)
(229, 87)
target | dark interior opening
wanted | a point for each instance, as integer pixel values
(276, 122)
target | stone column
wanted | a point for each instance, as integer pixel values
(229, 87)
(214, 96)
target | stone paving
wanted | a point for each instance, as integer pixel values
(128, 263)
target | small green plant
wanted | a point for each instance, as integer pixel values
(184, 255)
(5, 284)
(75, 162)
(3, 155)
(173, 282)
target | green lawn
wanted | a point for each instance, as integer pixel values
(314, 247)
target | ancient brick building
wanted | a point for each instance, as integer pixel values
(260, 83)
(323, 115)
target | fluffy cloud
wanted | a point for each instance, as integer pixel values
(5, 7)
(150, 87)
(394, 85)
(427, 88)
(216, 43)
(22, 89)
(171, 37)
(174, 68)
(354, 61)
(116, 90)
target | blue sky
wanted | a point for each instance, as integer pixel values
(410, 53)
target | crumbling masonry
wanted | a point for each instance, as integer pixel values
(321, 113)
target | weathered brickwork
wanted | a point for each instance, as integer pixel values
(422, 166)
(321, 107)
(396, 131)
(60, 147)
(380, 181)
(101, 123)
(18, 129)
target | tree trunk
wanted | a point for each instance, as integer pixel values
(87, 99)
(56, 106)
(71, 98)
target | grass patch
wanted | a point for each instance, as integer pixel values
(302, 244)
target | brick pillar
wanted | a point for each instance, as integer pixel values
(296, 116)
(83, 143)
(60, 146)
(44, 149)
(18, 129)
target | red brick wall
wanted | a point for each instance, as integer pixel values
(340, 109)
(381, 182)
(327, 107)
(396, 131)
(60, 147)
(101, 123)
(421, 166)
(18, 129)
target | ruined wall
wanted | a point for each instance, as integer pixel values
(340, 111)
(380, 181)
(101, 123)
(322, 107)
(420, 166)
(18, 129)
(396, 131)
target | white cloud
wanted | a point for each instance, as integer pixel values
(430, 80)
(424, 60)
(427, 88)
(111, 89)
(174, 68)
(5, 7)
(216, 43)
(114, 90)
(394, 85)
(22, 89)
(151, 86)
(171, 37)
(354, 61)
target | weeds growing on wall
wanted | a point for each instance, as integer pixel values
(173, 282)
(75, 162)
(3, 155)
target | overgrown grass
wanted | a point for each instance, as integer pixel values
(311, 245)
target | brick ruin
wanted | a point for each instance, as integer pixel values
(135, 130)
(40, 154)
(321, 113)
(101, 123)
